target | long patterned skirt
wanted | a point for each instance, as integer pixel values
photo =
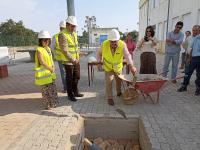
(49, 95)
(148, 63)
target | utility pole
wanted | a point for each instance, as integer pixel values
(70, 8)
(147, 12)
(168, 15)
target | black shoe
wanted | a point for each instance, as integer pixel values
(64, 91)
(119, 94)
(78, 95)
(73, 99)
(197, 92)
(182, 89)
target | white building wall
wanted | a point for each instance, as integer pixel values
(187, 11)
(143, 17)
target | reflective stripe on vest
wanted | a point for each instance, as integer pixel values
(112, 62)
(42, 75)
(72, 42)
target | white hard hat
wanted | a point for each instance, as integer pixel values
(72, 20)
(44, 35)
(114, 35)
(92, 59)
(62, 24)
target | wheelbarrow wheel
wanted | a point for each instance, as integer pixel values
(130, 96)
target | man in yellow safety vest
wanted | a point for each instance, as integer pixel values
(68, 43)
(57, 55)
(112, 53)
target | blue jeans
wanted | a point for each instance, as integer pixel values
(62, 74)
(195, 64)
(175, 59)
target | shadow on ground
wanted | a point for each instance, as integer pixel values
(12, 105)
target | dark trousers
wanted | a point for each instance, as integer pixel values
(195, 64)
(72, 77)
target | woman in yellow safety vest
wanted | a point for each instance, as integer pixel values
(45, 71)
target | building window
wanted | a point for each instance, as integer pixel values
(160, 31)
(157, 3)
(187, 22)
(165, 30)
(198, 17)
(154, 3)
(154, 27)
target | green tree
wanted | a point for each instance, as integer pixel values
(15, 34)
(84, 38)
(134, 35)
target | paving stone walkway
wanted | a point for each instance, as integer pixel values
(172, 124)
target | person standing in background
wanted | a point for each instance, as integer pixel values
(172, 50)
(185, 46)
(194, 63)
(130, 44)
(57, 55)
(148, 52)
(188, 55)
(45, 71)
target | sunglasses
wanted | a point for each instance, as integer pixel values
(148, 31)
(113, 42)
(179, 27)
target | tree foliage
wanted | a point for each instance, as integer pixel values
(84, 38)
(15, 34)
(134, 35)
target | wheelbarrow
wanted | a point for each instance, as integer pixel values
(147, 84)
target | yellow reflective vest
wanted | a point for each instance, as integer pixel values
(42, 75)
(57, 51)
(112, 62)
(72, 41)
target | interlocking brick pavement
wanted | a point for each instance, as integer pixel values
(172, 124)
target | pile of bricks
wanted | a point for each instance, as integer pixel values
(119, 144)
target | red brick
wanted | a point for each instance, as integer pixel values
(3, 71)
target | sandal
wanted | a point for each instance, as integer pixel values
(48, 107)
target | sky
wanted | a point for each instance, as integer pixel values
(46, 14)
